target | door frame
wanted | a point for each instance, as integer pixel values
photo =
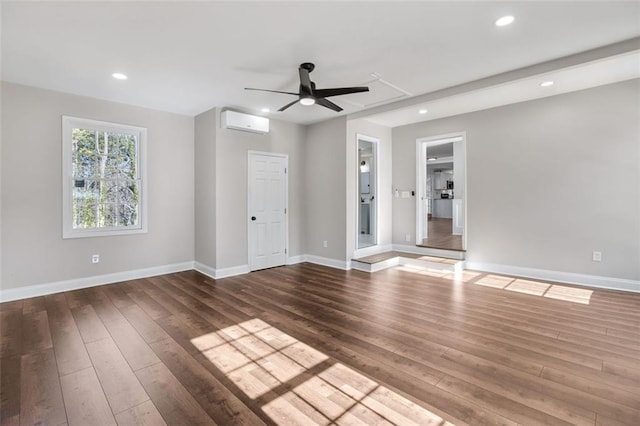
(421, 180)
(250, 153)
(376, 154)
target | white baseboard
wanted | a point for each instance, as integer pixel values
(221, 273)
(451, 254)
(370, 251)
(325, 261)
(7, 295)
(292, 260)
(558, 276)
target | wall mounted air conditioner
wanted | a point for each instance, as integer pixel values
(248, 123)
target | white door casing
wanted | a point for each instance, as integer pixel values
(267, 210)
(459, 203)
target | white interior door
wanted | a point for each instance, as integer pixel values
(267, 204)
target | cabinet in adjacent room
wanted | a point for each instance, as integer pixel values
(441, 178)
(442, 207)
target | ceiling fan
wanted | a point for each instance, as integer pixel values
(309, 95)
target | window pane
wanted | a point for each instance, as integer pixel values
(104, 184)
(121, 157)
(85, 199)
(84, 153)
(128, 203)
(109, 191)
(85, 166)
(109, 215)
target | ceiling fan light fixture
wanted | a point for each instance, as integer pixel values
(307, 101)
(504, 21)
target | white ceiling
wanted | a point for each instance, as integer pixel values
(188, 57)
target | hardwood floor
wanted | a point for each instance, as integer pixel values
(306, 344)
(439, 232)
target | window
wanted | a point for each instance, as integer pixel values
(104, 185)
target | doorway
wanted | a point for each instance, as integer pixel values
(367, 186)
(267, 225)
(441, 183)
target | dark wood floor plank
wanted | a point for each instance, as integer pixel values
(15, 305)
(221, 404)
(310, 344)
(103, 306)
(145, 414)
(11, 329)
(505, 344)
(77, 298)
(120, 385)
(35, 332)
(71, 354)
(118, 296)
(41, 394)
(144, 324)
(10, 367)
(10, 360)
(174, 403)
(150, 306)
(442, 337)
(132, 346)
(33, 304)
(89, 324)
(84, 399)
(394, 371)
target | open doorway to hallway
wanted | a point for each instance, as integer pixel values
(440, 210)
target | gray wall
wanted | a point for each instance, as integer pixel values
(33, 250)
(384, 191)
(231, 187)
(549, 181)
(205, 187)
(221, 179)
(325, 189)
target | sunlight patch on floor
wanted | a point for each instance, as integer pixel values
(495, 281)
(502, 282)
(423, 271)
(569, 294)
(344, 396)
(266, 363)
(462, 276)
(528, 287)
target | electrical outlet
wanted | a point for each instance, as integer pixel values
(597, 256)
(407, 237)
(325, 244)
(95, 258)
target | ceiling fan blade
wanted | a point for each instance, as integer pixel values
(337, 91)
(328, 104)
(272, 91)
(288, 105)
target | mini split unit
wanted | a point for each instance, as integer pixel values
(245, 122)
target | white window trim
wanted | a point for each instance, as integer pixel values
(68, 124)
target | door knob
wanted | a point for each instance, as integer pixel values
(253, 218)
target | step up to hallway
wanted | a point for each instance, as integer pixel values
(378, 262)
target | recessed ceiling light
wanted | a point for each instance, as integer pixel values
(307, 101)
(432, 158)
(265, 110)
(546, 84)
(119, 76)
(423, 111)
(505, 20)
